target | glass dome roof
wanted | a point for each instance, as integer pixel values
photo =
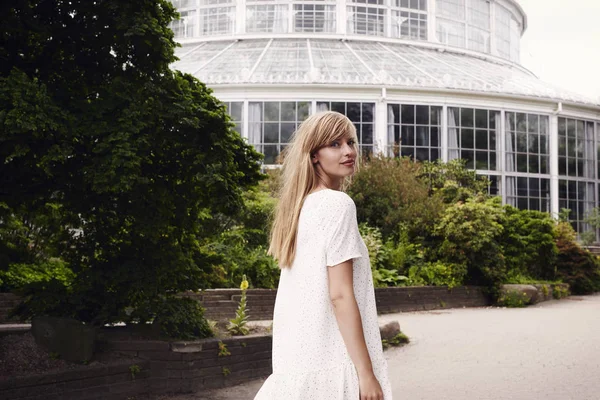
(292, 61)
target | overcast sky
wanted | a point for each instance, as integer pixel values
(562, 43)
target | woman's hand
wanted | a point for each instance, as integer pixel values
(369, 386)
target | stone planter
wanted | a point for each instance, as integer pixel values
(70, 339)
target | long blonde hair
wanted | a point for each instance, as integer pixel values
(299, 177)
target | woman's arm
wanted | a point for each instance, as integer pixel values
(341, 292)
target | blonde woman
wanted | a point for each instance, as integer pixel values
(326, 340)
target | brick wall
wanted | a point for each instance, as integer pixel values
(221, 304)
(181, 367)
(165, 367)
(113, 382)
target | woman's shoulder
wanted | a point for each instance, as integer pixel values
(337, 198)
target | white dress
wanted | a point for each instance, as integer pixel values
(310, 359)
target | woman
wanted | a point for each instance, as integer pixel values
(326, 340)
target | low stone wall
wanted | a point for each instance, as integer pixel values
(159, 367)
(220, 304)
(112, 382)
(181, 367)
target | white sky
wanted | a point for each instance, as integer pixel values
(562, 43)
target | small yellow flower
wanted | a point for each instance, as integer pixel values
(244, 284)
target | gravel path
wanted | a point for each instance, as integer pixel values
(549, 351)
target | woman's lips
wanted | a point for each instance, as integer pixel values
(349, 163)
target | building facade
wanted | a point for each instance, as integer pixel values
(429, 79)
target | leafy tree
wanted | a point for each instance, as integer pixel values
(140, 158)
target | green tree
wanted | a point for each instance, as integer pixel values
(140, 158)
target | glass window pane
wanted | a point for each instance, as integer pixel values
(435, 113)
(481, 139)
(422, 136)
(271, 132)
(341, 108)
(435, 137)
(354, 112)
(271, 153)
(521, 162)
(466, 117)
(367, 112)
(287, 129)
(408, 136)
(288, 111)
(422, 154)
(422, 115)
(481, 118)
(303, 110)
(408, 114)
(466, 139)
(367, 134)
(533, 123)
(481, 160)
(271, 111)
(469, 156)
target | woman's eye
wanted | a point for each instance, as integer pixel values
(334, 144)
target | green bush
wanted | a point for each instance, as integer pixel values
(382, 276)
(529, 244)
(452, 181)
(387, 193)
(182, 318)
(558, 292)
(470, 234)
(440, 274)
(576, 266)
(513, 299)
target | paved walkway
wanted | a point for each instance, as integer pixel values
(549, 351)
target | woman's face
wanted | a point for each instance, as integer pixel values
(335, 161)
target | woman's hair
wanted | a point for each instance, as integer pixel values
(299, 177)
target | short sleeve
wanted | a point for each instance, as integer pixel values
(344, 241)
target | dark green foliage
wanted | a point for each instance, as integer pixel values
(471, 235)
(19, 275)
(387, 194)
(576, 266)
(529, 243)
(452, 181)
(140, 159)
(182, 318)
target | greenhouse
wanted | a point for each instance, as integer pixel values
(429, 79)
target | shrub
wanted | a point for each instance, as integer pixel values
(528, 243)
(578, 268)
(440, 274)
(513, 299)
(558, 292)
(182, 318)
(470, 233)
(382, 275)
(452, 181)
(387, 193)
